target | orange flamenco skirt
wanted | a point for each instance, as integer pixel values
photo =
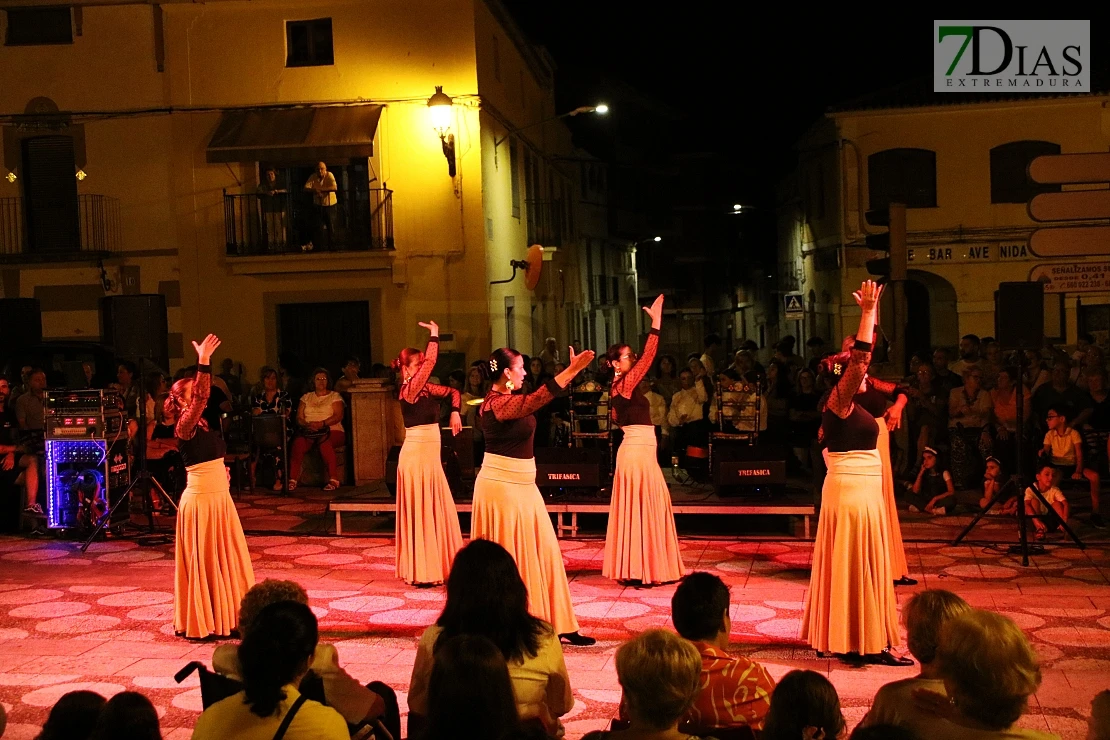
(428, 533)
(850, 606)
(898, 565)
(213, 568)
(641, 543)
(509, 510)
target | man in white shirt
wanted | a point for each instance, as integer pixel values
(323, 188)
(687, 415)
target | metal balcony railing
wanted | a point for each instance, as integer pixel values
(289, 222)
(89, 228)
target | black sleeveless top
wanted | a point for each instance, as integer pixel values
(196, 442)
(859, 431)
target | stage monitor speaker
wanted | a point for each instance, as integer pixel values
(568, 467)
(135, 326)
(746, 465)
(1019, 315)
(20, 322)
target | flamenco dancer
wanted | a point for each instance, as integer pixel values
(212, 567)
(850, 606)
(428, 534)
(508, 508)
(641, 544)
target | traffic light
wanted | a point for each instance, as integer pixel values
(893, 241)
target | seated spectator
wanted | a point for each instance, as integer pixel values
(970, 413)
(274, 656)
(1061, 393)
(1063, 448)
(73, 716)
(30, 408)
(127, 387)
(1004, 403)
(733, 690)
(127, 716)
(805, 705)
(743, 367)
(351, 369)
(357, 703)
(992, 484)
(1098, 725)
(17, 466)
(475, 389)
(549, 355)
(924, 615)
(659, 673)
(687, 414)
(470, 693)
(320, 416)
(658, 407)
(989, 671)
(933, 491)
(969, 355)
(1045, 518)
(270, 399)
(665, 382)
(486, 597)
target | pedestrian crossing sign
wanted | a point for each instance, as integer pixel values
(794, 309)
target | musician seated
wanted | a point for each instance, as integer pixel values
(687, 415)
(17, 466)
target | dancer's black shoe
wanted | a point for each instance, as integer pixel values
(855, 660)
(578, 639)
(887, 658)
(905, 581)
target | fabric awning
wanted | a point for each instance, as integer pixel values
(295, 135)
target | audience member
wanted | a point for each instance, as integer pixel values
(1097, 434)
(127, 716)
(665, 382)
(924, 615)
(709, 356)
(1098, 724)
(274, 656)
(784, 353)
(320, 416)
(805, 705)
(991, 363)
(944, 375)
(928, 410)
(1036, 374)
(323, 187)
(659, 673)
(992, 484)
(17, 465)
(1004, 402)
(351, 367)
(30, 408)
(475, 389)
(469, 692)
(687, 413)
(232, 381)
(969, 355)
(733, 690)
(127, 387)
(1061, 393)
(549, 355)
(486, 597)
(73, 716)
(1063, 448)
(969, 418)
(933, 491)
(658, 407)
(778, 391)
(273, 203)
(743, 367)
(1043, 517)
(342, 692)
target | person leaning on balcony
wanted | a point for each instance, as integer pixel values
(272, 202)
(323, 188)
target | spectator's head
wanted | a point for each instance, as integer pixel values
(269, 378)
(1093, 358)
(1007, 379)
(803, 705)
(786, 345)
(926, 373)
(621, 358)
(916, 361)
(686, 379)
(456, 379)
(660, 674)
(973, 379)
(38, 380)
(470, 688)
(25, 374)
(276, 652)
(1096, 380)
(778, 373)
(550, 346)
(750, 345)
(883, 732)
(645, 386)
(227, 365)
(743, 361)
(475, 381)
(699, 609)
(988, 667)
(125, 373)
(1098, 726)
(261, 595)
(127, 716)
(560, 367)
(1046, 476)
(969, 347)
(993, 468)
(1057, 417)
(321, 381)
(1061, 374)
(351, 366)
(668, 366)
(73, 716)
(696, 366)
(486, 596)
(993, 352)
(535, 366)
(321, 169)
(929, 458)
(940, 360)
(712, 341)
(807, 381)
(925, 615)
(271, 175)
(407, 363)
(5, 391)
(506, 367)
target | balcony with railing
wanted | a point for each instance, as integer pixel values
(549, 222)
(48, 230)
(289, 223)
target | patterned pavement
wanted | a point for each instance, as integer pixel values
(101, 619)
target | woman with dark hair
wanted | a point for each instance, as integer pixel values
(320, 416)
(804, 705)
(274, 656)
(213, 568)
(665, 382)
(73, 716)
(641, 543)
(427, 524)
(469, 694)
(850, 606)
(271, 400)
(127, 716)
(487, 598)
(508, 507)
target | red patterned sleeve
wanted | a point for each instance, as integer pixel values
(628, 383)
(443, 391)
(507, 408)
(887, 388)
(190, 417)
(840, 400)
(412, 389)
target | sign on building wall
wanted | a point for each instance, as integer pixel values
(1076, 277)
(795, 310)
(963, 253)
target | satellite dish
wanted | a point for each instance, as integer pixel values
(535, 266)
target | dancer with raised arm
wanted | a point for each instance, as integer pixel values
(641, 543)
(213, 568)
(850, 606)
(428, 533)
(508, 507)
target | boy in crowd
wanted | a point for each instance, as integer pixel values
(1042, 517)
(1063, 449)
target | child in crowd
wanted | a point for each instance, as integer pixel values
(933, 491)
(1045, 482)
(1063, 448)
(992, 484)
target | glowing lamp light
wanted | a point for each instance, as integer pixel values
(11, 177)
(738, 207)
(439, 105)
(81, 175)
(601, 108)
(657, 239)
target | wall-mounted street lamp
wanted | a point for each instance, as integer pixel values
(645, 241)
(601, 109)
(81, 175)
(738, 208)
(11, 177)
(440, 107)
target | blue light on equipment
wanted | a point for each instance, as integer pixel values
(77, 471)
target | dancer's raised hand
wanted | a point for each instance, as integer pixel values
(580, 361)
(655, 311)
(206, 348)
(431, 326)
(868, 295)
